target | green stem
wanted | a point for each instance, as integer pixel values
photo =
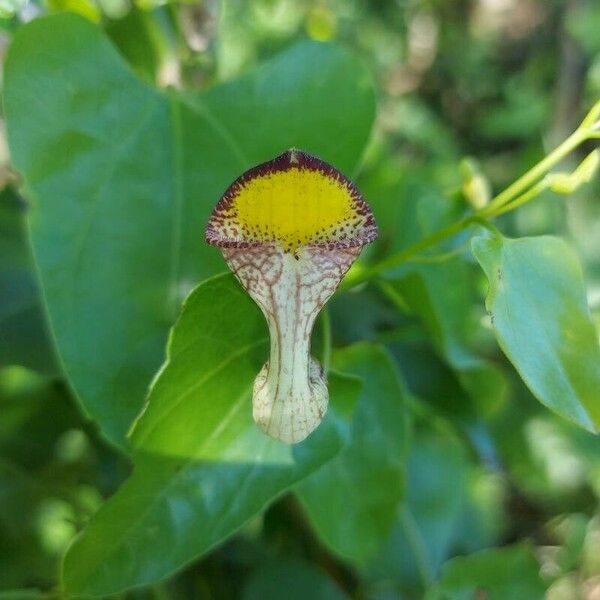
(591, 119)
(521, 191)
(402, 256)
(527, 180)
(530, 194)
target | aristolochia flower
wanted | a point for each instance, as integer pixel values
(290, 229)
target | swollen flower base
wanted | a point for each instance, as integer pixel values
(290, 229)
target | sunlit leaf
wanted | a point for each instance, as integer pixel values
(27, 594)
(202, 466)
(86, 8)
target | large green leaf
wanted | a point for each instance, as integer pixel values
(23, 595)
(496, 574)
(122, 178)
(542, 322)
(352, 501)
(202, 467)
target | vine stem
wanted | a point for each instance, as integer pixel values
(400, 257)
(525, 197)
(519, 192)
(541, 168)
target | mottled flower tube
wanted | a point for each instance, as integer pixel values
(290, 229)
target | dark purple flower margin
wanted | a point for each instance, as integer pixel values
(365, 228)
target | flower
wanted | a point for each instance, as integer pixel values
(290, 229)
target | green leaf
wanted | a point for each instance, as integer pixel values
(293, 580)
(429, 520)
(352, 501)
(542, 322)
(497, 574)
(122, 179)
(442, 295)
(24, 338)
(202, 467)
(23, 595)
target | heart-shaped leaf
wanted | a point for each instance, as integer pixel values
(122, 178)
(202, 466)
(542, 322)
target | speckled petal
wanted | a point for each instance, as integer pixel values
(290, 393)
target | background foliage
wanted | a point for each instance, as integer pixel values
(459, 457)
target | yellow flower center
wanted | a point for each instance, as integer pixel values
(297, 207)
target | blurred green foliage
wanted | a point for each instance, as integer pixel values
(438, 474)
